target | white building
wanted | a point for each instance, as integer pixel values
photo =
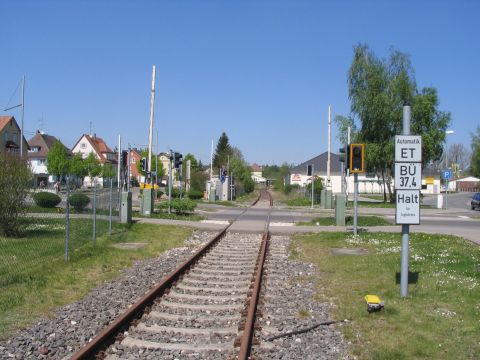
(369, 184)
(92, 144)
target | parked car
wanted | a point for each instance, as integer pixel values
(475, 203)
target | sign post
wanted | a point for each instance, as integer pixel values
(447, 175)
(408, 182)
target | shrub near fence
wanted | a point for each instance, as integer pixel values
(46, 199)
(41, 238)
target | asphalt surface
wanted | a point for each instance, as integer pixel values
(458, 220)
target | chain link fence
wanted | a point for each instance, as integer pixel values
(50, 231)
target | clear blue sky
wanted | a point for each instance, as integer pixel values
(262, 71)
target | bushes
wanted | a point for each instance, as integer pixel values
(15, 176)
(179, 206)
(46, 199)
(195, 194)
(79, 201)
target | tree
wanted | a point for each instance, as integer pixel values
(222, 152)
(58, 161)
(475, 163)
(242, 175)
(92, 166)
(459, 157)
(15, 176)
(378, 90)
(77, 167)
(343, 123)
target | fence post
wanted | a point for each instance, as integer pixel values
(110, 208)
(67, 220)
(94, 211)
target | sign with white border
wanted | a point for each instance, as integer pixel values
(408, 176)
(408, 207)
(408, 148)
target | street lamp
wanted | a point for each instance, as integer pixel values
(447, 132)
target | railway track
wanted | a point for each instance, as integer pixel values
(206, 308)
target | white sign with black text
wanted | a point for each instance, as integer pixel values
(408, 207)
(408, 176)
(408, 148)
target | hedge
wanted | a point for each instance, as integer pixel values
(46, 199)
(79, 201)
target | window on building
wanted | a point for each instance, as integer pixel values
(83, 146)
(14, 138)
(134, 160)
(6, 136)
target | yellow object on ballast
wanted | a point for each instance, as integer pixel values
(374, 303)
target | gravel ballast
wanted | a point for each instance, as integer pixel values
(290, 305)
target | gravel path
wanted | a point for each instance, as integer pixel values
(75, 324)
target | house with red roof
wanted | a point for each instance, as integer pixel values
(105, 155)
(10, 134)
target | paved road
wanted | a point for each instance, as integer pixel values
(456, 220)
(456, 201)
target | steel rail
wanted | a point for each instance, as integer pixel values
(247, 336)
(107, 335)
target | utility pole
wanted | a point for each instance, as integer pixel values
(150, 133)
(23, 115)
(119, 178)
(329, 145)
(348, 171)
(170, 181)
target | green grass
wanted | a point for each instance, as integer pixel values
(34, 278)
(59, 210)
(439, 319)
(225, 203)
(299, 202)
(369, 204)
(362, 221)
(172, 216)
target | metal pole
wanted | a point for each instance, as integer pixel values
(67, 221)
(329, 145)
(110, 208)
(128, 167)
(347, 190)
(355, 202)
(187, 176)
(156, 161)
(180, 187)
(211, 164)
(312, 184)
(169, 182)
(231, 186)
(405, 228)
(152, 105)
(23, 116)
(119, 178)
(94, 210)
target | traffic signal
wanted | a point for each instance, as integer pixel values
(342, 154)
(177, 160)
(124, 159)
(143, 164)
(345, 158)
(309, 170)
(357, 158)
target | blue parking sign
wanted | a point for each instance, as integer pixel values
(447, 174)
